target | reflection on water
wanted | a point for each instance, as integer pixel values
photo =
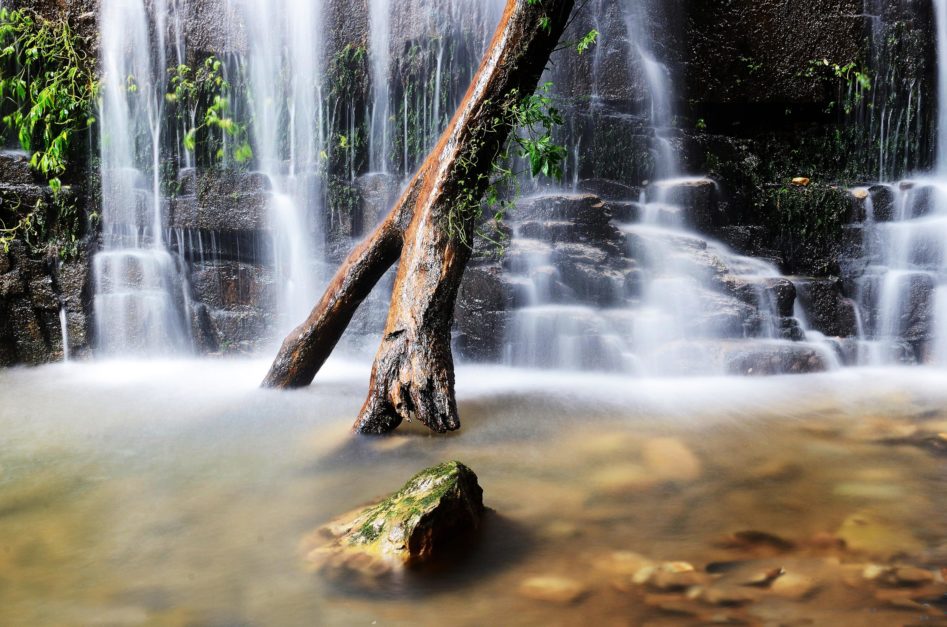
(176, 493)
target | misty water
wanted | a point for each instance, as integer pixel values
(149, 480)
(178, 493)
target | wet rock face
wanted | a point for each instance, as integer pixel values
(31, 296)
(768, 44)
(882, 201)
(696, 197)
(436, 512)
(780, 292)
(568, 218)
(915, 320)
(221, 201)
(35, 284)
(483, 300)
(612, 72)
(236, 298)
(377, 193)
(611, 145)
(15, 168)
(828, 311)
(791, 359)
(737, 358)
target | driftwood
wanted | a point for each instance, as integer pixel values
(413, 373)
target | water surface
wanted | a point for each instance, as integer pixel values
(177, 493)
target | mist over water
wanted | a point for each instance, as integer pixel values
(672, 300)
(119, 503)
(147, 486)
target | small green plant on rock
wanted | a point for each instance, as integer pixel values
(23, 229)
(856, 82)
(535, 118)
(53, 226)
(581, 45)
(206, 88)
(48, 88)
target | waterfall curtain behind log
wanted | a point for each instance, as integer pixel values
(413, 373)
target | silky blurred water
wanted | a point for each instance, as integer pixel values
(177, 492)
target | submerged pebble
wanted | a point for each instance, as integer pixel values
(552, 589)
(669, 459)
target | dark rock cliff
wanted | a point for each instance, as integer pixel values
(755, 107)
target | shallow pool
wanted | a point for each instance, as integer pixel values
(177, 493)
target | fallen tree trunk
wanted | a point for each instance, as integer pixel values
(413, 373)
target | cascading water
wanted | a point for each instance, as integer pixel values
(940, 10)
(661, 286)
(901, 293)
(281, 71)
(658, 79)
(379, 12)
(889, 114)
(659, 298)
(140, 294)
(422, 57)
(300, 102)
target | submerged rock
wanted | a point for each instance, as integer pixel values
(437, 511)
(866, 533)
(669, 459)
(551, 589)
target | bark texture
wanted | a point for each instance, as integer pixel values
(413, 373)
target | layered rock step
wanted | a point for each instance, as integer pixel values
(896, 270)
(43, 298)
(591, 290)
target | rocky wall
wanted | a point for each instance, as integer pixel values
(750, 114)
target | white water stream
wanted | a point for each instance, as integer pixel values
(141, 294)
(903, 291)
(418, 62)
(673, 318)
(284, 59)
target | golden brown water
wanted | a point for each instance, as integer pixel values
(178, 493)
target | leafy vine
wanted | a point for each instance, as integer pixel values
(48, 88)
(190, 90)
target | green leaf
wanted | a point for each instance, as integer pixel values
(190, 140)
(587, 41)
(243, 153)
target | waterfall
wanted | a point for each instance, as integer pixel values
(649, 282)
(307, 137)
(379, 12)
(940, 10)
(901, 293)
(670, 300)
(64, 330)
(422, 56)
(658, 80)
(282, 71)
(140, 291)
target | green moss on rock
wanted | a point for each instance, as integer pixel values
(437, 511)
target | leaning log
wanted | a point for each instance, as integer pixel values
(413, 373)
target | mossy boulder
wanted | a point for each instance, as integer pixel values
(436, 513)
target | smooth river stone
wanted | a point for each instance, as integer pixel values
(670, 460)
(622, 478)
(793, 586)
(552, 589)
(866, 533)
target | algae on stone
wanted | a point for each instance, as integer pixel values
(435, 512)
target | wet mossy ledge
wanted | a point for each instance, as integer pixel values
(763, 93)
(435, 515)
